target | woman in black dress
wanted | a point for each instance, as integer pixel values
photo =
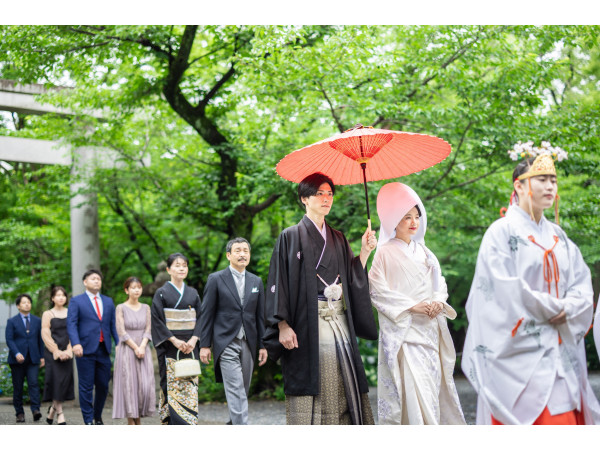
(58, 354)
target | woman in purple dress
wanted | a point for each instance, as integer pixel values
(133, 379)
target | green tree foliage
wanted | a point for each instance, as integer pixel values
(216, 107)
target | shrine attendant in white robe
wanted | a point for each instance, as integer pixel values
(597, 327)
(416, 354)
(529, 308)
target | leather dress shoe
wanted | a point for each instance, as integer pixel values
(89, 423)
(98, 422)
(37, 415)
(20, 418)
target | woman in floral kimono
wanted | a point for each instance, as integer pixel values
(416, 353)
(175, 333)
(530, 306)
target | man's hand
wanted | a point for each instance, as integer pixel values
(262, 357)
(20, 358)
(205, 355)
(558, 319)
(287, 337)
(368, 244)
(78, 350)
(42, 362)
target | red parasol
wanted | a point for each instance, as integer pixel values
(364, 154)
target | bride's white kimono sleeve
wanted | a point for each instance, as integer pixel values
(396, 285)
(512, 355)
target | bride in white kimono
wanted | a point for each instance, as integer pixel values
(416, 354)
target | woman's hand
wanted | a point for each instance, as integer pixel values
(435, 308)
(140, 352)
(420, 308)
(287, 337)
(192, 343)
(180, 345)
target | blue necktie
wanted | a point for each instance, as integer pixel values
(27, 323)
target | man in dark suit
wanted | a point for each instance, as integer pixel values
(90, 324)
(232, 322)
(25, 356)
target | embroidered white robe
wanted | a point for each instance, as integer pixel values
(415, 384)
(512, 355)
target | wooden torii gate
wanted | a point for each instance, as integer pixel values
(85, 243)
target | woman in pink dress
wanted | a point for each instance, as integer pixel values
(133, 379)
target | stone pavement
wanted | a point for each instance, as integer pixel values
(261, 412)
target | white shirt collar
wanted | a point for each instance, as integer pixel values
(91, 296)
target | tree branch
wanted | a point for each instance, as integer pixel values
(195, 60)
(457, 54)
(116, 207)
(184, 244)
(191, 162)
(465, 183)
(145, 42)
(208, 97)
(118, 269)
(337, 120)
(255, 209)
(554, 96)
(453, 162)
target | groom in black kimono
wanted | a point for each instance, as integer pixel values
(304, 254)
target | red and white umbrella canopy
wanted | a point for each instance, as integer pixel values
(386, 154)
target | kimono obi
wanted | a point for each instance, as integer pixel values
(180, 319)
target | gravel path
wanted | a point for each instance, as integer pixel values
(264, 412)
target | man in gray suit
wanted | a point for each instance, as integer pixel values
(232, 323)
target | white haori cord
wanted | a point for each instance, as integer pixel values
(332, 291)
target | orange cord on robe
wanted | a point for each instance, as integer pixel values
(550, 273)
(519, 322)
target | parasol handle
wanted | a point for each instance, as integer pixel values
(363, 165)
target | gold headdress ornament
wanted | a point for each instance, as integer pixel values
(542, 165)
(545, 155)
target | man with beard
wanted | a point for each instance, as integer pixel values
(232, 323)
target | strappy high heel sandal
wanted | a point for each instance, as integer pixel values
(58, 414)
(50, 419)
